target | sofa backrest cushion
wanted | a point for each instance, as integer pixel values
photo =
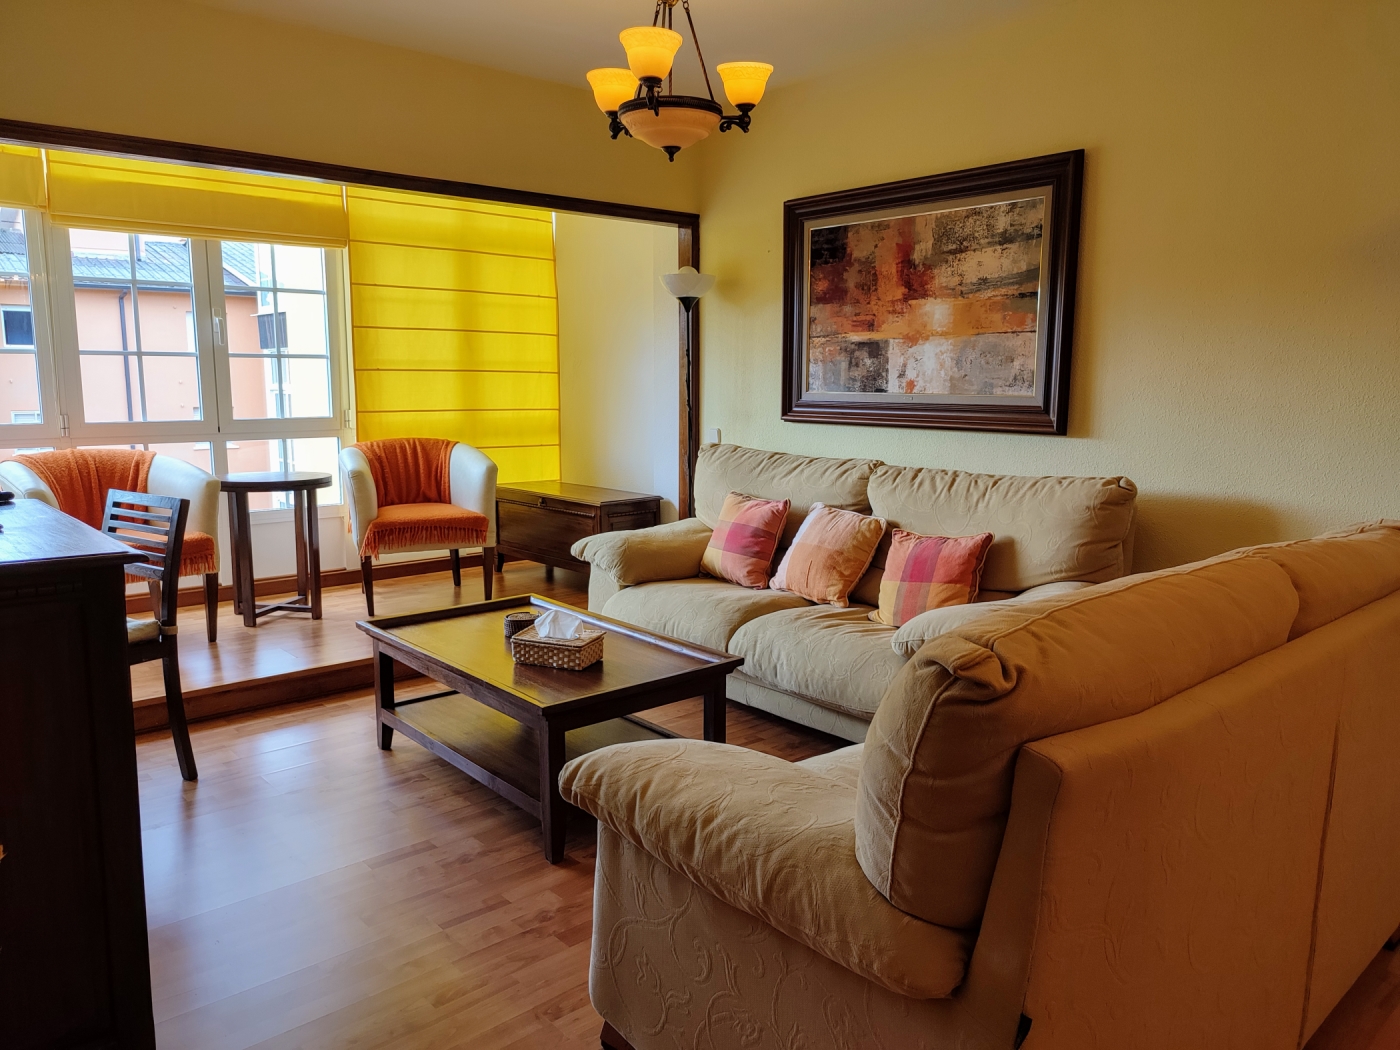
(936, 780)
(802, 480)
(1340, 572)
(1047, 529)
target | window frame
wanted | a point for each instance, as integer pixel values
(49, 431)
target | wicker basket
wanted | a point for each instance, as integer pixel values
(517, 621)
(569, 654)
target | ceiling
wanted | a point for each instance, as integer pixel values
(562, 39)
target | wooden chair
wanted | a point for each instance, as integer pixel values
(155, 526)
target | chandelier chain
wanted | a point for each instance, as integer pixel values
(696, 37)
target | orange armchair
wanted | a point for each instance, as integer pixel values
(420, 494)
(76, 481)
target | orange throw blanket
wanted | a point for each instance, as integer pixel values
(413, 483)
(80, 478)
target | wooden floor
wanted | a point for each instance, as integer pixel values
(290, 656)
(312, 891)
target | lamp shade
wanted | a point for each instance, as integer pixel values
(688, 282)
(677, 122)
(612, 87)
(650, 50)
(744, 81)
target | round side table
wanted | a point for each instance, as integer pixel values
(303, 485)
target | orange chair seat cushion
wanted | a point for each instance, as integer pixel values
(423, 525)
(197, 555)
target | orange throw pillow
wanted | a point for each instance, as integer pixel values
(929, 572)
(742, 546)
(829, 555)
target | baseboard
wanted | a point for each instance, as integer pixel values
(139, 603)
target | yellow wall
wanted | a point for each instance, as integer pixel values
(1238, 344)
(190, 73)
(619, 340)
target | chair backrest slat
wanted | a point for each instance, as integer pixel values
(155, 526)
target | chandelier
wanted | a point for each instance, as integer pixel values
(639, 101)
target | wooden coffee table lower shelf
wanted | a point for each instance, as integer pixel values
(513, 726)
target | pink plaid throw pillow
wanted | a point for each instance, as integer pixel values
(929, 572)
(741, 549)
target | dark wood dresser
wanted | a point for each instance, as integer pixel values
(74, 966)
(541, 520)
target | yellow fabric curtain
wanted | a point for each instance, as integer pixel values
(455, 317)
(140, 196)
(21, 177)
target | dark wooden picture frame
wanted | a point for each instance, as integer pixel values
(1046, 411)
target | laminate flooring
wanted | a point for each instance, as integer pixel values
(312, 891)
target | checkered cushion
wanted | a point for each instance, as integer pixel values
(829, 554)
(742, 546)
(929, 572)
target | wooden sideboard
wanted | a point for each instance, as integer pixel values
(541, 520)
(74, 964)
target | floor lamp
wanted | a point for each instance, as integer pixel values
(687, 284)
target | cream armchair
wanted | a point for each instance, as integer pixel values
(168, 477)
(473, 489)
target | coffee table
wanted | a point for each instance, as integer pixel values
(513, 726)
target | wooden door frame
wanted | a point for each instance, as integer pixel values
(687, 223)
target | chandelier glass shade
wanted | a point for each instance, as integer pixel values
(640, 102)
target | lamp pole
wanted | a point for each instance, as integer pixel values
(688, 285)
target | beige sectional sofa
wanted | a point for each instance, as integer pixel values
(828, 667)
(1160, 813)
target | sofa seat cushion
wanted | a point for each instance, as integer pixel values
(772, 839)
(841, 765)
(704, 611)
(834, 657)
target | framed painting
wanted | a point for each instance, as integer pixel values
(945, 301)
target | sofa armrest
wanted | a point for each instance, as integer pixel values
(925, 627)
(663, 552)
(772, 839)
(360, 493)
(25, 484)
(473, 484)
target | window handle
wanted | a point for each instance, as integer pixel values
(218, 331)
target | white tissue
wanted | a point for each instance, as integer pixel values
(558, 624)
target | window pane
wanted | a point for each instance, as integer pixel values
(172, 387)
(111, 389)
(253, 385)
(245, 325)
(19, 363)
(11, 453)
(199, 453)
(303, 268)
(134, 298)
(302, 323)
(307, 383)
(318, 454)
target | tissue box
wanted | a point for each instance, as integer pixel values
(569, 654)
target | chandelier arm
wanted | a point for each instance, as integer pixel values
(696, 37)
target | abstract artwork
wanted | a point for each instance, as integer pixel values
(936, 302)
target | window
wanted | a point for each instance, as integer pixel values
(20, 402)
(18, 325)
(133, 298)
(226, 354)
(278, 332)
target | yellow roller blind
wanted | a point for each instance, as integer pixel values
(21, 177)
(455, 318)
(119, 193)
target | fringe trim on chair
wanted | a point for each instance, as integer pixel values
(396, 537)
